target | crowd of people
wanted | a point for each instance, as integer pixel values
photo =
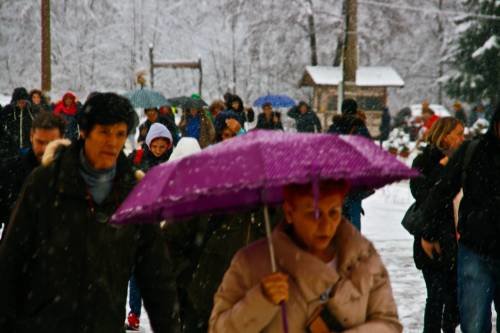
(65, 268)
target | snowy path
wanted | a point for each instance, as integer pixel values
(382, 225)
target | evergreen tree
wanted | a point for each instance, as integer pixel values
(476, 56)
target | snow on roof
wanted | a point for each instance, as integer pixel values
(365, 76)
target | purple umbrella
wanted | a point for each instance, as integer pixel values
(252, 170)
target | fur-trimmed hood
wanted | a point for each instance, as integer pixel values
(50, 152)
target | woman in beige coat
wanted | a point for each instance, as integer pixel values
(324, 266)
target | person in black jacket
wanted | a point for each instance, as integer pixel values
(17, 118)
(65, 267)
(14, 170)
(349, 123)
(269, 119)
(38, 102)
(306, 120)
(234, 103)
(474, 168)
(438, 268)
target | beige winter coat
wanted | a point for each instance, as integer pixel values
(361, 300)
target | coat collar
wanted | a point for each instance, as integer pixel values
(70, 182)
(312, 275)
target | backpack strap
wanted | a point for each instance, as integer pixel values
(138, 156)
(469, 154)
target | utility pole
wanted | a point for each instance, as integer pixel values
(350, 56)
(46, 49)
(441, 38)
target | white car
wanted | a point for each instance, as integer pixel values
(439, 110)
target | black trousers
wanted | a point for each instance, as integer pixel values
(441, 308)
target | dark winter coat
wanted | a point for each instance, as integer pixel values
(185, 241)
(479, 214)
(385, 125)
(143, 159)
(8, 147)
(17, 122)
(242, 116)
(65, 268)
(14, 172)
(431, 171)
(351, 125)
(307, 122)
(224, 236)
(269, 124)
(348, 124)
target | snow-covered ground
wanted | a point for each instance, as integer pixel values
(4, 99)
(382, 225)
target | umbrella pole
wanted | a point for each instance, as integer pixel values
(273, 263)
(270, 239)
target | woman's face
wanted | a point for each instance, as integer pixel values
(315, 234)
(235, 105)
(455, 138)
(159, 146)
(152, 115)
(36, 99)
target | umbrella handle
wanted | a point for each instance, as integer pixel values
(284, 316)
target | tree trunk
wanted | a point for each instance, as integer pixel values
(312, 35)
(337, 61)
(46, 49)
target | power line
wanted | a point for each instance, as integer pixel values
(430, 11)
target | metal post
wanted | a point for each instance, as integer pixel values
(46, 48)
(201, 77)
(151, 66)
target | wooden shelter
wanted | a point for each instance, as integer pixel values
(370, 91)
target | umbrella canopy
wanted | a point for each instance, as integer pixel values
(251, 170)
(277, 101)
(147, 98)
(186, 102)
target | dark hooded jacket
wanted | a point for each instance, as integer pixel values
(307, 122)
(479, 214)
(13, 174)
(349, 124)
(17, 122)
(269, 124)
(242, 117)
(65, 268)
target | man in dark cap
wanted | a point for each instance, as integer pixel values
(64, 267)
